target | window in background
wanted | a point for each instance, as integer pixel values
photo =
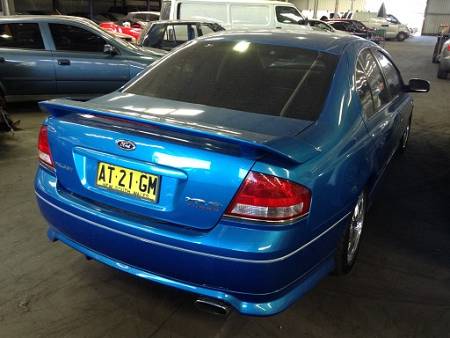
(204, 11)
(72, 38)
(250, 15)
(21, 35)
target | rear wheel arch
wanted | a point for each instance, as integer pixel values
(346, 254)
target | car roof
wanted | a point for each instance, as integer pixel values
(144, 12)
(342, 20)
(317, 20)
(313, 40)
(45, 18)
(248, 2)
(185, 22)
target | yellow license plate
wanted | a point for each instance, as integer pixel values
(128, 181)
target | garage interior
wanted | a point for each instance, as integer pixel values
(400, 286)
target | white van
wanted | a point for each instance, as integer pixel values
(237, 14)
(394, 28)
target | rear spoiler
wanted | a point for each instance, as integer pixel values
(261, 143)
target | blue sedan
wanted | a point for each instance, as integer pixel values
(240, 167)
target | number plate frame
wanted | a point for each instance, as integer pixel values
(108, 178)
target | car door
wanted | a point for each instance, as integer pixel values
(82, 66)
(401, 105)
(26, 66)
(393, 26)
(379, 119)
(382, 23)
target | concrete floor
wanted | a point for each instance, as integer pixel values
(400, 287)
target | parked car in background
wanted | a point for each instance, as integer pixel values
(441, 39)
(128, 38)
(352, 26)
(394, 28)
(324, 26)
(51, 56)
(170, 34)
(119, 27)
(240, 167)
(444, 60)
(237, 14)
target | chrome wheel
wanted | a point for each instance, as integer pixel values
(355, 230)
(406, 136)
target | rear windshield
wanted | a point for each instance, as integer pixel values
(245, 76)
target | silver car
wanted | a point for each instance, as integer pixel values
(51, 56)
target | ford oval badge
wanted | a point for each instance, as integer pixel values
(126, 145)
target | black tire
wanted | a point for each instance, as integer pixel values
(402, 36)
(346, 254)
(442, 74)
(405, 138)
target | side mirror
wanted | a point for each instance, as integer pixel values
(418, 86)
(108, 49)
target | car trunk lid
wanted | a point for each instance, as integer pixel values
(200, 155)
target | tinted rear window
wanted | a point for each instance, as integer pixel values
(239, 75)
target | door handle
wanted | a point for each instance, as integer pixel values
(64, 62)
(2, 59)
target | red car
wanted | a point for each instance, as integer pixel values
(113, 27)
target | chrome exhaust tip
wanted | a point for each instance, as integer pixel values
(212, 306)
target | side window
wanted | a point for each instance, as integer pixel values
(392, 19)
(21, 35)
(249, 15)
(287, 14)
(183, 33)
(376, 80)
(206, 29)
(363, 90)
(155, 35)
(393, 78)
(339, 26)
(72, 38)
(324, 27)
(170, 36)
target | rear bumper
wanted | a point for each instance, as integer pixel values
(252, 285)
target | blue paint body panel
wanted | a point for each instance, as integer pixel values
(205, 153)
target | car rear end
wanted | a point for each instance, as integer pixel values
(185, 194)
(444, 60)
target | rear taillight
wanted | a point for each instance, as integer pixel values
(448, 47)
(269, 198)
(45, 154)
